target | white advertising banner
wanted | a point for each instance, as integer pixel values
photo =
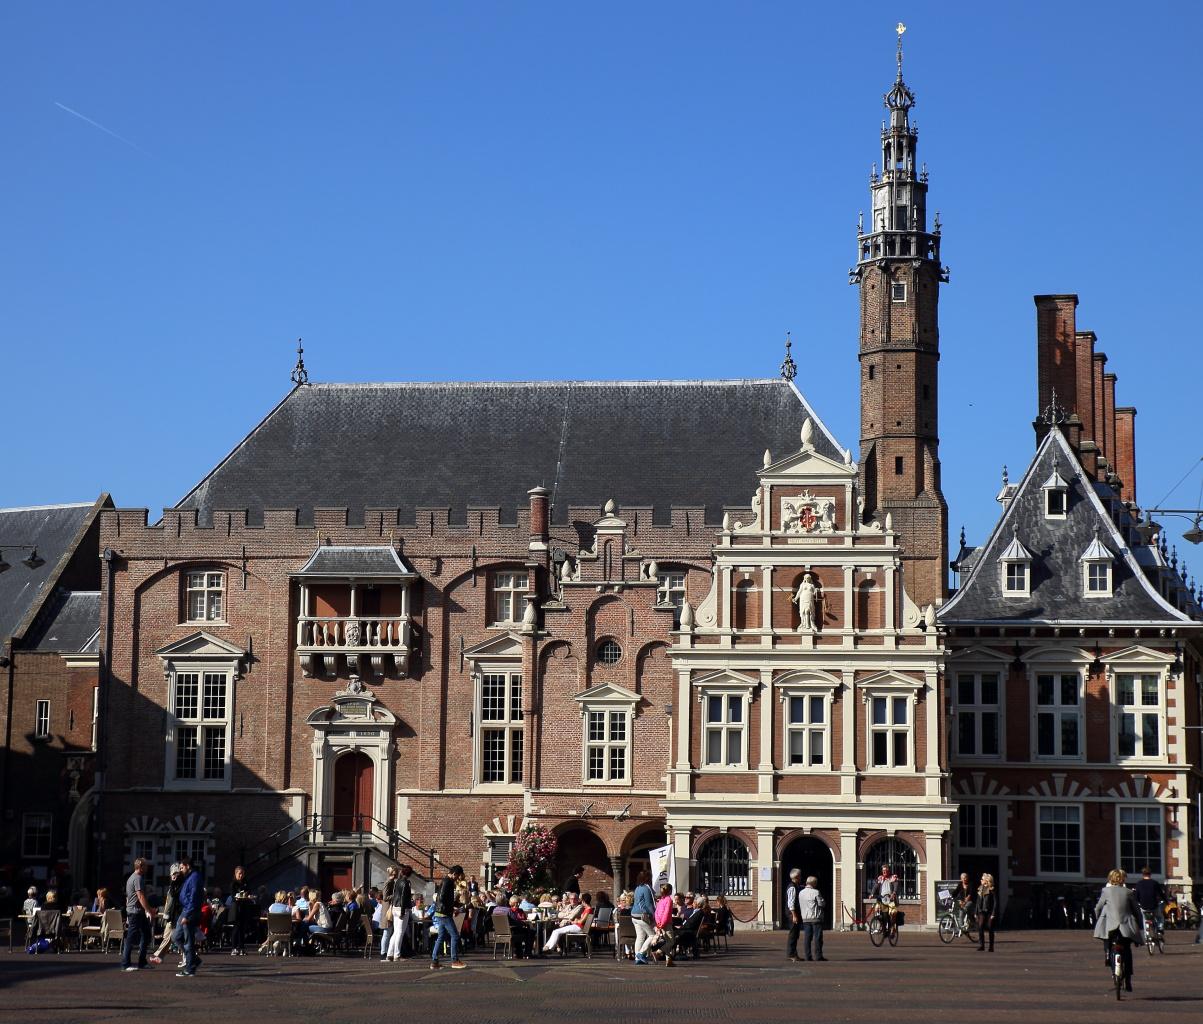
(664, 867)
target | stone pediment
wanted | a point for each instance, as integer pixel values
(886, 680)
(201, 646)
(808, 465)
(1137, 655)
(727, 678)
(608, 693)
(506, 645)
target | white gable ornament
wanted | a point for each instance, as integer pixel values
(807, 513)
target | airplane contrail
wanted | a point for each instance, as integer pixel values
(97, 124)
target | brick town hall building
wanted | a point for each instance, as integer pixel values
(400, 621)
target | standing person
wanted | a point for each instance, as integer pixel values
(1118, 920)
(664, 923)
(791, 910)
(171, 903)
(241, 904)
(191, 899)
(402, 907)
(444, 920)
(643, 916)
(573, 885)
(386, 917)
(137, 918)
(987, 911)
(810, 910)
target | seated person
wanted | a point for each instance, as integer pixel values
(962, 899)
(31, 904)
(280, 906)
(688, 924)
(572, 919)
(319, 920)
(885, 891)
(101, 903)
(522, 935)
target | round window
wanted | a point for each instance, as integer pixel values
(608, 652)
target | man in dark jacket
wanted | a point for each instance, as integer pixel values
(191, 897)
(444, 920)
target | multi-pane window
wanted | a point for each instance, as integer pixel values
(1015, 578)
(723, 868)
(889, 731)
(144, 847)
(1060, 839)
(508, 589)
(609, 652)
(501, 727)
(201, 708)
(671, 590)
(977, 827)
(1139, 707)
(41, 720)
(205, 596)
(195, 848)
(724, 735)
(1058, 715)
(806, 730)
(607, 745)
(1098, 578)
(978, 714)
(36, 833)
(903, 862)
(1140, 839)
(498, 858)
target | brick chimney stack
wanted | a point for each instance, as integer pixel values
(1098, 366)
(1125, 450)
(1108, 438)
(1057, 364)
(1088, 412)
(538, 518)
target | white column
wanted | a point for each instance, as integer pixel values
(681, 857)
(724, 617)
(767, 709)
(850, 624)
(764, 887)
(891, 596)
(933, 715)
(766, 599)
(847, 891)
(848, 747)
(679, 781)
(354, 600)
(935, 870)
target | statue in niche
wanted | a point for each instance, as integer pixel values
(806, 598)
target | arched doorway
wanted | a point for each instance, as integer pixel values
(638, 859)
(353, 785)
(811, 856)
(581, 848)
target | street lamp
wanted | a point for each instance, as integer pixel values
(31, 561)
(1149, 529)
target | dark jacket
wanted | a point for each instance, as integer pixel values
(987, 904)
(191, 898)
(403, 895)
(1150, 894)
(444, 900)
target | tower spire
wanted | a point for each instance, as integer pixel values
(299, 374)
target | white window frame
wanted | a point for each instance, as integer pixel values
(41, 719)
(27, 820)
(791, 691)
(1064, 513)
(513, 585)
(911, 702)
(207, 589)
(1108, 578)
(1159, 869)
(1057, 672)
(1019, 563)
(508, 724)
(197, 846)
(978, 828)
(496, 844)
(977, 709)
(201, 722)
(671, 591)
(894, 297)
(1158, 710)
(1069, 875)
(725, 726)
(610, 712)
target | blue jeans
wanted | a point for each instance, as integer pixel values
(137, 929)
(444, 929)
(185, 938)
(813, 933)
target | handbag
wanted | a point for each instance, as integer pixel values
(388, 914)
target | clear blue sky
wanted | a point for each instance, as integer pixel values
(549, 190)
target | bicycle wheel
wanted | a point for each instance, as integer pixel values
(877, 932)
(970, 930)
(947, 928)
(892, 933)
(1160, 943)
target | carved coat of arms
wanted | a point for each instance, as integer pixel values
(807, 513)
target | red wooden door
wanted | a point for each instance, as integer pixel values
(336, 877)
(353, 793)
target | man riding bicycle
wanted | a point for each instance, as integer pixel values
(1150, 894)
(962, 901)
(885, 892)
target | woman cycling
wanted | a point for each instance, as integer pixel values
(1118, 921)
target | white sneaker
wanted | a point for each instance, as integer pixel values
(131, 968)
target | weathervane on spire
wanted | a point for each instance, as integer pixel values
(299, 374)
(900, 97)
(1054, 414)
(900, 29)
(789, 369)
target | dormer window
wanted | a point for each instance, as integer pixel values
(1097, 563)
(1016, 563)
(1056, 496)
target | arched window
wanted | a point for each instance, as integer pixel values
(902, 861)
(723, 868)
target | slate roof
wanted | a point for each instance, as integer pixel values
(55, 529)
(1056, 546)
(72, 623)
(652, 444)
(342, 561)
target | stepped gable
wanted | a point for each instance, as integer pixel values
(1057, 546)
(55, 529)
(652, 444)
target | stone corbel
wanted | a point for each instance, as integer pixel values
(329, 664)
(307, 666)
(377, 661)
(352, 662)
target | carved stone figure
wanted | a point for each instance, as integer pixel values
(354, 685)
(805, 599)
(352, 633)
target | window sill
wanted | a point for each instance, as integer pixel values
(901, 769)
(498, 787)
(189, 786)
(725, 769)
(204, 622)
(612, 783)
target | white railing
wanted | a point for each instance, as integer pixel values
(353, 633)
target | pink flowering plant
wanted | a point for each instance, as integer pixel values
(532, 859)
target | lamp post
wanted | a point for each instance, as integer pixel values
(30, 561)
(1149, 528)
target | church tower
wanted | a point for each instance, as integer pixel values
(899, 275)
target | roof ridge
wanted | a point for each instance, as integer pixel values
(650, 382)
(47, 508)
